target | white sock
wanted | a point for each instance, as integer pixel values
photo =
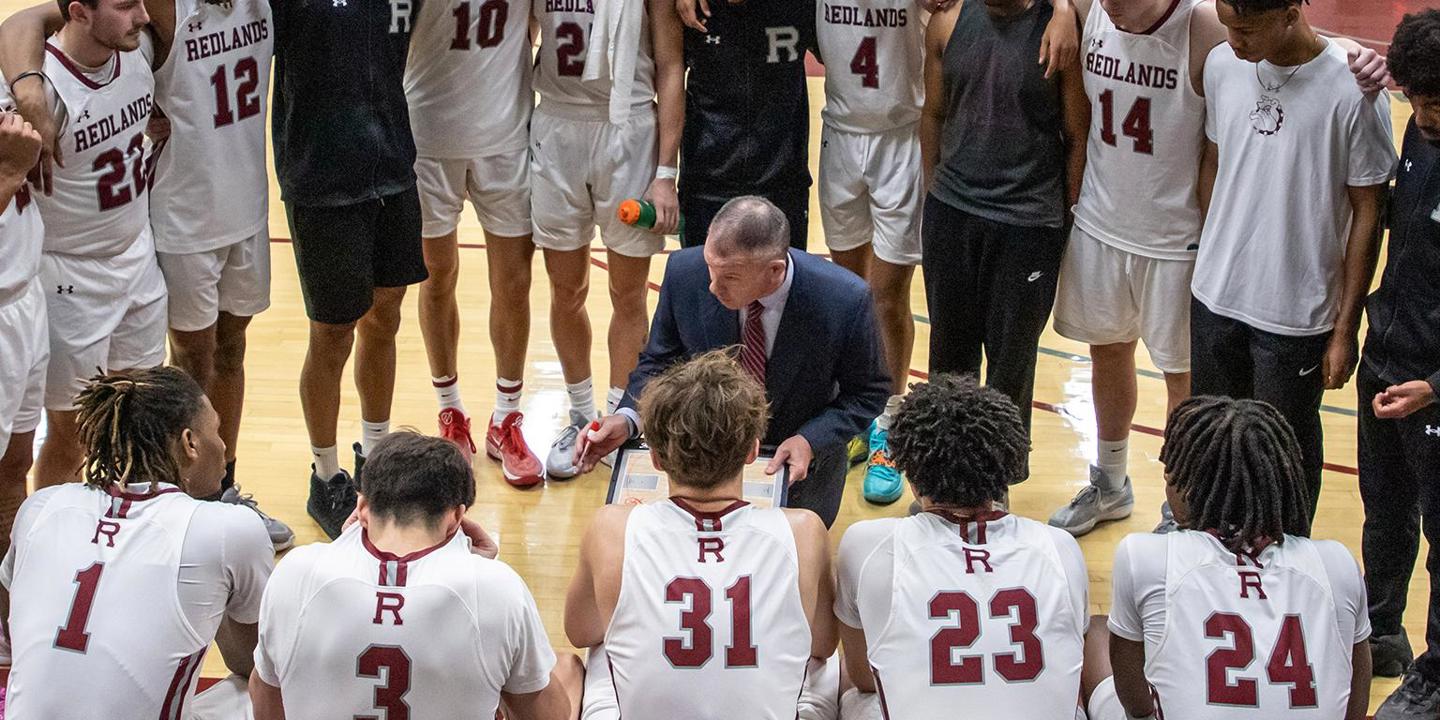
(613, 397)
(327, 462)
(1112, 459)
(892, 406)
(370, 433)
(507, 399)
(582, 398)
(447, 391)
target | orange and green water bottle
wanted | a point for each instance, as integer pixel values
(641, 214)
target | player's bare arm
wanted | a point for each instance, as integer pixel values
(22, 50)
(237, 643)
(19, 151)
(548, 704)
(1362, 250)
(1060, 46)
(668, 36)
(932, 115)
(817, 584)
(265, 700)
(1127, 657)
(1075, 126)
(857, 657)
(595, 587)
(1209, 165)
(1360, 674)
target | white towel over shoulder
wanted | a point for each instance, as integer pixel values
(614, 47)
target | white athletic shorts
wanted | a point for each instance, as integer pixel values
(581, 171)
(1105, 702)
(1107, 296)
(234, 279)
(228, 699)
(24, 356)
(497, 185)
(105, 314)
(871, 190)
(816, 702)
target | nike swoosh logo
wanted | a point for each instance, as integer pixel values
(1034, 276)
(1303, 373)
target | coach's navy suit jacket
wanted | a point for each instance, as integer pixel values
(825, 378)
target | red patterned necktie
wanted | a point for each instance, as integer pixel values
(752, 354)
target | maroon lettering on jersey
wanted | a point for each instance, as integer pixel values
(108, 528)
(1250, 580)
(711, 546)
(974, 556)
(391, 603)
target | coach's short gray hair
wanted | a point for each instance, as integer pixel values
(751, 225)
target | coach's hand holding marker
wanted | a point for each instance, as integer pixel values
(796, 453)
(600, 438)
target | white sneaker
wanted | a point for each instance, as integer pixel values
(560, 464)
(1167, 522)
(1093, 505)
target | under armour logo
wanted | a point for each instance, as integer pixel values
(1432, 430)
(194, 26)
(712, 39)
(64, 289)
(1097, 43)
(85, 114)
(338, 3)
(1408, 165)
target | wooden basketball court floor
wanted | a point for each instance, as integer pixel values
(539, 530)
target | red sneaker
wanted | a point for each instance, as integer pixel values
(505, 443)
(455, 427)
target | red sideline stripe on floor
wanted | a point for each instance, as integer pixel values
(1047, 407)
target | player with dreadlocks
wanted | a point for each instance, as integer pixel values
(905, 583)
(1238, 614)
(116, 586)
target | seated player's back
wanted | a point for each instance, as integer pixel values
(353, 631)
(98, 625)
(984, 613)
(1228, 634)
(709, 622)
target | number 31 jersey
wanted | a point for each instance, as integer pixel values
(99, 205)
(709, 624)
(1147, 131)
(874, 52)
(210, 186)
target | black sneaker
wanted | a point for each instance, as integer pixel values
(1390, 655)
(331, 501)
(1417, 698)
(359, 464)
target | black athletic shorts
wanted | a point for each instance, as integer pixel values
(345, 252)
(699, 210)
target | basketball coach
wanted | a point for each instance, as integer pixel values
(805, 328)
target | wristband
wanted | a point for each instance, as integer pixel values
(666, 172)
(27, 74)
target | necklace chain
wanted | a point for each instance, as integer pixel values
(1275, 88)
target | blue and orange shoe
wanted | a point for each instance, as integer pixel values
(883, 484)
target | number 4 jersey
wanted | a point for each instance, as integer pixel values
(1147, 131)
(1229, 635)
(349, 630)
(210, 186)
(874, 53)
(985, 614)
(115, 596)
(709, 624)
(99, 206)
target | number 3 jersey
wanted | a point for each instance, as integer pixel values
(115, 596)
(1228, 635)
(210, 186)
(985, 614)
(99, 207)
(709, 624)
(874, 53)
(349, 630)
(1147, 132)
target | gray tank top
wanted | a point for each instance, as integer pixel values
(1002, 156)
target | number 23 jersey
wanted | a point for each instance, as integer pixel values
(1228, 635)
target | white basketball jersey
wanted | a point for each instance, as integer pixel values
(874, 54)
(980, 618)
(96, 625)
(354, 631)
(21, 231)
(1147, 132)
(99, 205)
(560, 62)
(709, 624)
(468, 78)
(1249, 636)
(210, 187)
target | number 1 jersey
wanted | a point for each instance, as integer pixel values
(709, 624)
